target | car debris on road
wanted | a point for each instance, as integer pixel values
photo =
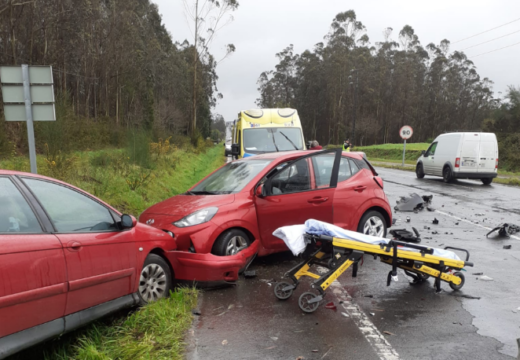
(414, 203)
(405, 235)
(505, 230)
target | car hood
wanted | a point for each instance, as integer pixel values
(186, 204)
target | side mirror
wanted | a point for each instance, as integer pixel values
(260, 191)
(128, 221)
(423, 152)
(235, 149)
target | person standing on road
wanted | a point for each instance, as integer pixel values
(347, 145)
(315, 145)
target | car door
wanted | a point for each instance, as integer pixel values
(302, 190)
(101, 259)
(353, 189)
(33, 277)
(429, 159)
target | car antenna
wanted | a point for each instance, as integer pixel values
(285, 136)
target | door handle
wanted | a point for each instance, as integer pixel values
(360, 188)
(74, 246)
(317, 200)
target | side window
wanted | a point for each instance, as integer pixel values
(431, 149)
(69, 210)
(292, 179)
(344, 170)
(323, 165)
(353, 167)
(16, 216)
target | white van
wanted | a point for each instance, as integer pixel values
(461, 156)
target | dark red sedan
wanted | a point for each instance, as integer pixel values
(223, 221)
(67, 258)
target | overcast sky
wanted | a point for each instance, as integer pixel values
(261, 28)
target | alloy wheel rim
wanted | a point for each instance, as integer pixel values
(374, 226)
(152, 284)
(235, 244)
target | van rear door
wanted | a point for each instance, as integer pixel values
(488, 153)
(469, 154)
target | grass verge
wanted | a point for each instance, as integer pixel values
(129, 187)
(155, 331)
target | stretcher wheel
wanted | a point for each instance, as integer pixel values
(282, 294)
(303, 302)
(458, 287)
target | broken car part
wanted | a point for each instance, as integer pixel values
(405, 235)
(414, 202)
(505, 230)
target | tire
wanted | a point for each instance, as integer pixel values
(155, 280)
(372, 223)
(458, 287)
(419, 171)
(487, 181)
(230, 242)
(447, 176)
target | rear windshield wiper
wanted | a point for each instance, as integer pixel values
(285, 136)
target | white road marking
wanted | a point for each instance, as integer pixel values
(377, 341)
(471, 222)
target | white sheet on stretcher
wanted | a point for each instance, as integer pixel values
(293, 237)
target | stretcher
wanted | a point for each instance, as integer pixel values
(337, 255)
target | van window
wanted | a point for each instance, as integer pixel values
(431, 150)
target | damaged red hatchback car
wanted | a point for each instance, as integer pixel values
(221, 223)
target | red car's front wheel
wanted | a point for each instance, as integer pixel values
(155, 280)
(231, 242)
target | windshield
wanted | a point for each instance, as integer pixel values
(260, 140)
(231, 178)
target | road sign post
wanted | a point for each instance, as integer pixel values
(28, 95)
(405, 132)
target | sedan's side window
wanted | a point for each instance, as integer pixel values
(353, 167)
(323, 165)
(69, 210)
(431, 150)
(344, 170)
(292, 179)
(16, 216)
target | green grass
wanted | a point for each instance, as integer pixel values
(111, 176)
(155, 331)
(412, 146)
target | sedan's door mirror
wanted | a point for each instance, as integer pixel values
(260, 191)
(423, 152)
(128, 221)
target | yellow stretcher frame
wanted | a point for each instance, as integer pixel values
(340, 254)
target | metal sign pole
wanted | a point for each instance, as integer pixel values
(28, 114)
(404, 150)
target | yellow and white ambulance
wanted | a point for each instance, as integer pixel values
(260, 131)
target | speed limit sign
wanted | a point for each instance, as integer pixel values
(406, 132)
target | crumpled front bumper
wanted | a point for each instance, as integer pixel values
(195, 267)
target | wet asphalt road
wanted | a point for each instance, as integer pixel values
(248, 322)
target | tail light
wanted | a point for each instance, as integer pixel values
(457, 162)
(379, 181)
(496, 163)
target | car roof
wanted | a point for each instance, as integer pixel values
(286, 155)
